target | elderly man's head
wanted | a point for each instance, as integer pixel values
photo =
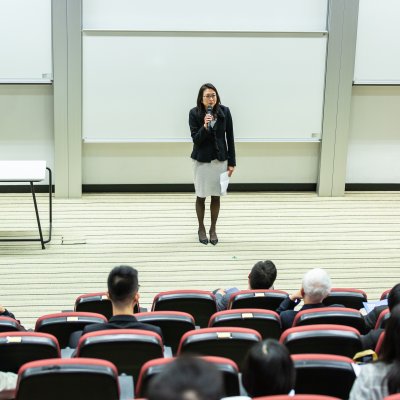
(316, 285)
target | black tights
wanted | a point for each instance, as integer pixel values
(214, 209)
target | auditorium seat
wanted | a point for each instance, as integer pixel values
(8, 324)
(97, 303)
(348, 297)
(331, 315)
(232, 343)
(378, 346)
(382, 319)
(385, 294)
(18, 348)
(128, 349)
(228, 368)
(266, 322)
(395, 396)
(77, 379)
(199, 303)
(173, 325)
(296, 397)
(264, 299)
(61, 325)
(323, 339)
(324, 374)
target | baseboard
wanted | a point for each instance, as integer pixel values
(24, 188)
(234, 187)
(372, 187)
(187, 187)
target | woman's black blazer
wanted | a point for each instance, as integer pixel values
(212, 143)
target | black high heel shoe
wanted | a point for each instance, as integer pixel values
(213, 238)
(202, 237)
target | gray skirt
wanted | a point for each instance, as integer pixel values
(207, 177)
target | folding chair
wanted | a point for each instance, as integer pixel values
(8, 324)
(317, 374)
(128, 349)
(228, 368)
(331, 315)
(18, 348)
(174, 324)
(264, 299)
(395, 396)
(78, 379)
(348, 297)
(322, 339)
(97, 303)
(61, 325)
(232, 343)
(385, 294)
(199, 303)
(266, 322)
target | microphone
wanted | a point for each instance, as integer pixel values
(209, 112)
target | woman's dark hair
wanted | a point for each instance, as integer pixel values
(200, 105)
(268, 369)
(391, 350)
(394, 296)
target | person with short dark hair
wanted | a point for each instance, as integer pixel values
(187, 378)
(213, 154)
(123, 291)
(262, 276)
(380, 379)
(5, 313)
(370, 340)
(316, 285)
(268, 370)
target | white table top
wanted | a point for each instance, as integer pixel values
(22, 171)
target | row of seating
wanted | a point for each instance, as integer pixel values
(90, 378)
(129, 349)
(86, 378)
(201, 304)
(174, 324)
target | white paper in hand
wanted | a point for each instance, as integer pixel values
(224, 182)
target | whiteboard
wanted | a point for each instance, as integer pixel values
(378, 42)
(25, 41)
(192, 15)
(140, 86)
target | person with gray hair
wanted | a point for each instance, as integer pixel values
(315, 287)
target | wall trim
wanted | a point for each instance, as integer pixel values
(188, 187)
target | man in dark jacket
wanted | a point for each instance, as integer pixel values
(123, 291)
(315, 287)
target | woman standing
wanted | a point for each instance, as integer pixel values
(213, 153)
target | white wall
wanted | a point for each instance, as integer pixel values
(168, 163)
(374, 143)
(26, 123)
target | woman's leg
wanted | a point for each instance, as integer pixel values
(214, 208)
(200, 210)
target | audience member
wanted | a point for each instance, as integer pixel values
(5, 313)
(316, 286)
(370, 340)
(123, 292)
(382, 378)
(187, 378)
(262, 276)
(8, 383)
(268, 370)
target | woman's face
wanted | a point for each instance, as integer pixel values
(209, 98)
